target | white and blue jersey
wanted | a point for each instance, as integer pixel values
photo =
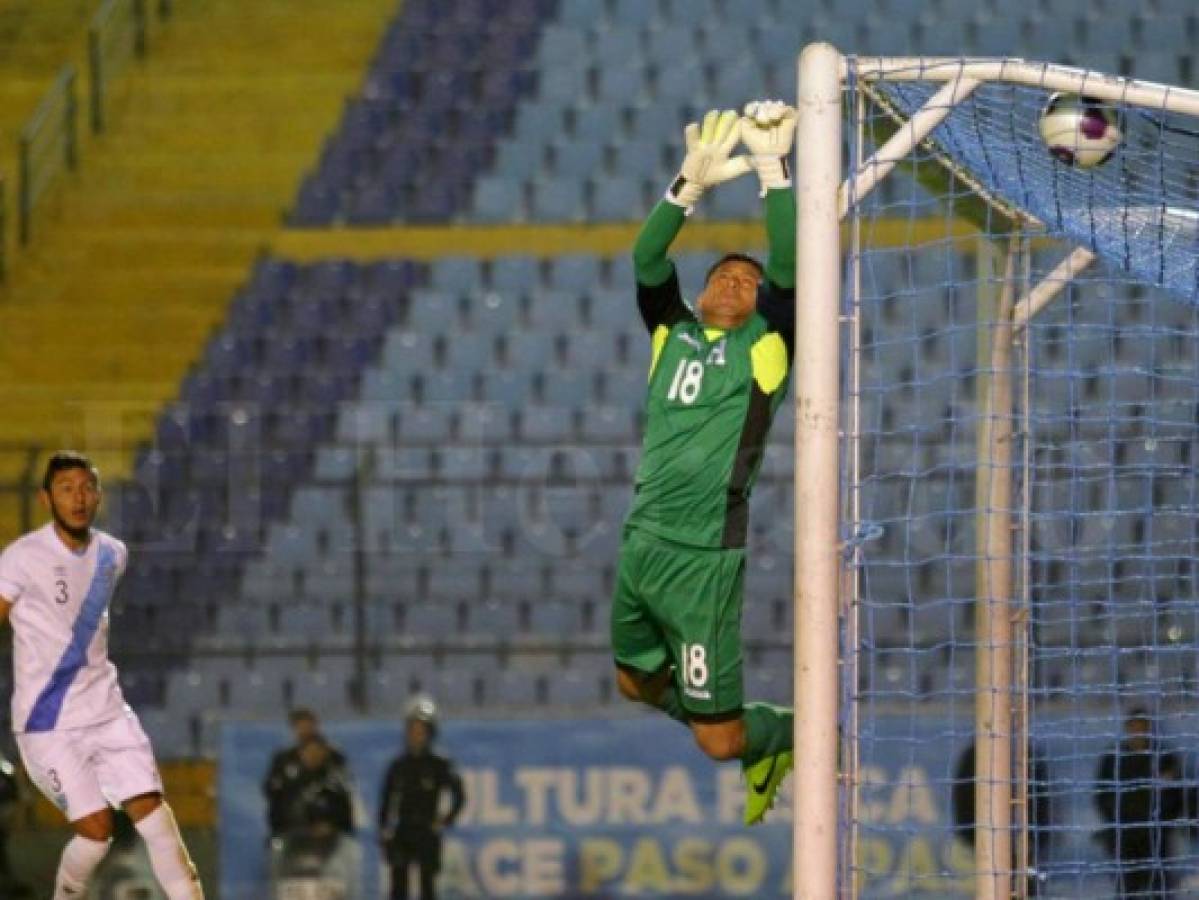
(62, 678)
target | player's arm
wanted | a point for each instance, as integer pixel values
(453, 783)
(706, 164)
(768, 130)
(387, 802)
(777, 302)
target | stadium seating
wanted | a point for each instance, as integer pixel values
(439, 456)
(558, 133)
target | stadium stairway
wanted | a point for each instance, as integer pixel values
(136, 264)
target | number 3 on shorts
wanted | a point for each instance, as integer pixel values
(695, 665)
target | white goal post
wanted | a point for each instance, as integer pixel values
(824, 781)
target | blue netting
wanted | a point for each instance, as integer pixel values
(1104, 508)
(1139, 210)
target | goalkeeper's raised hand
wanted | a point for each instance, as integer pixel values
(768, 132)
(708, 161)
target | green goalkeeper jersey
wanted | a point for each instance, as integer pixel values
(711, 400)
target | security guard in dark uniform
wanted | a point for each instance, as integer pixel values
(410, 810)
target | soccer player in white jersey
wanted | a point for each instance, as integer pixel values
(81, 744)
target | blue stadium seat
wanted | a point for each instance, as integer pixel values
(304, 620)
(999, 36)
(672, 43)
(462, 463)
(738, 200)
(522, 158)
(577, 582)
(319, 504)
(580, 12)
(618, 199)
(454, 275)
(426, 424)
(332, 580)
(633, 12)
(322, 690)
(681, 81)
(561, 44)
(546, 425)
(498, 198)
(732, 84)
(599, 123)
(494, 311)
(557, 199)
(511, 388)
(449, 386)
(608, 424)
(392, 578)
(410, 351)
(642, 161)
(615, 42)
(455, 579)
(192, 690)
(370, 420)
(587, 349)
(624, 387)
(515, 274)
(455, 690)
(403, 464)
(432, 311)
(577, 157)
(577, 272)
(563, 86)
(493, 620)
(626, 83)
(554, 619)
(614, 308)
(514, 689)
(555, 310)
(170, 731)
(529, 350)
(576, 689)
(467, 352)
(432, 621)
(290, 545)
(515, 579)
(566, 387)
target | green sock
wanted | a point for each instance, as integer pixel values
(768, 730)
(669, 703)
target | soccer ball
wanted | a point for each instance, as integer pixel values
(1080, 131)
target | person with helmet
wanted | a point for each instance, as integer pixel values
(411, 814)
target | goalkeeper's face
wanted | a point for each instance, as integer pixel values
(730, 295)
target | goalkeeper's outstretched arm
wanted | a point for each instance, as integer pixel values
(708, 163)
(768, 130)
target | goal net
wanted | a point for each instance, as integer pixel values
(1002, 376)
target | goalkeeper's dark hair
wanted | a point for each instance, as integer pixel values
(734, 257)
(64, 462)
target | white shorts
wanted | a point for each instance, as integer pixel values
(85, 770)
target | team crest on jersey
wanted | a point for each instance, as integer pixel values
(716, 355)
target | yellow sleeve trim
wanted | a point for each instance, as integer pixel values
(661, 333)
(769, 357)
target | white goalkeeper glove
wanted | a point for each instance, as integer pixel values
(768, 131)
(707, 162)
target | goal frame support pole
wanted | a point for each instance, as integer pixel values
(817, 475)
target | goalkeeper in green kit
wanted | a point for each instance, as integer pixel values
(718, 374)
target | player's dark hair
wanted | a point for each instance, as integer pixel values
(301, 714)
(733, 257)
(64, 462)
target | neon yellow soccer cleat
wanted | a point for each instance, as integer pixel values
(762, 781)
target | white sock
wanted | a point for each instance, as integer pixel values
(79, 859)
(168, 857)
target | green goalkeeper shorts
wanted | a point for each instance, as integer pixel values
(681, 606)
